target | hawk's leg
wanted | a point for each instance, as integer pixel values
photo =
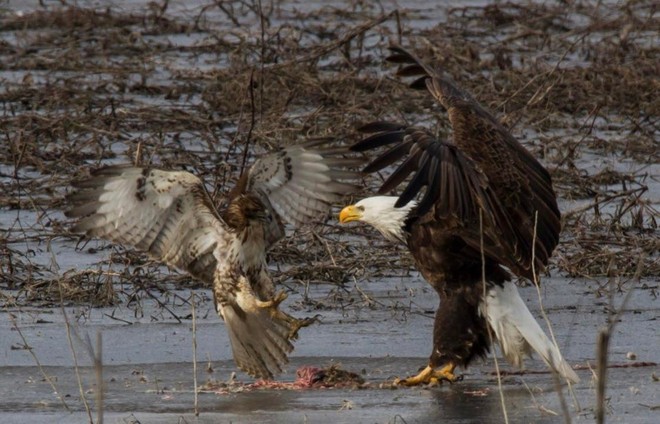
(294, 324)
(274, 302)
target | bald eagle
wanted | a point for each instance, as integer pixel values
(488, 212)
(170, 216)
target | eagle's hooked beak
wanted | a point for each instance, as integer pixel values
(350, 213)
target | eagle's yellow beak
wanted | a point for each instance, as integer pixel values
(349, 213)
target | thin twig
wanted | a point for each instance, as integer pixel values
(560, 393)
(194, 352)
(604, 336)
(490, 333)
(98, 367)
(262, 58)
(253, 120)
(350, 35)
(36, 360)
(538, 405)
(81, 389)
(538, 96)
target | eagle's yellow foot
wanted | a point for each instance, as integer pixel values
(429, 375)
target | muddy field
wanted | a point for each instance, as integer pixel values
(205, 86)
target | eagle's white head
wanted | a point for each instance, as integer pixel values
(379, 212)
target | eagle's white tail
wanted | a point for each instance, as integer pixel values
(517, 331)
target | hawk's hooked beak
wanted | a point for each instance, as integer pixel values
(350, 213)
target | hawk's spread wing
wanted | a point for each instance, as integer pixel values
(170, 216)
(165, 214)
(301, 182)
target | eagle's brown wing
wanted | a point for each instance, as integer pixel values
(170, 216)
(455, 188)
(514, 187)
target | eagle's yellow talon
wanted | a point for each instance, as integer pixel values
(430, 376)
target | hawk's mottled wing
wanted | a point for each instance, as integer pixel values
(170, 216)
(301, 182)
(165, 214)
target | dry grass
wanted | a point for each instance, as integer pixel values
(206, 89)
(83, 87)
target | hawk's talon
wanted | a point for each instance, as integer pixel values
(297, 324)
(273, 303)
(279, 298)
(293, 324)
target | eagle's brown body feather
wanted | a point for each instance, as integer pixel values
(487, 209)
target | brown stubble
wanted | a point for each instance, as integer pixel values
(516, 59)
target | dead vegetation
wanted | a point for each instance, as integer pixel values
(205, 88)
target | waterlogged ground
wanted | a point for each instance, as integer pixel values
(196, 84)
(148, 372)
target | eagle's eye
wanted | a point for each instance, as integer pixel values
(360, 208)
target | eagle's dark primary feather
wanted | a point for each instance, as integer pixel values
(410, 164)
(472, 210)
(379, 139)
(378, 126)
(482, 162)
(387, 158)
(410, 71)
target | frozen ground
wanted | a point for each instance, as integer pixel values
(147, 369)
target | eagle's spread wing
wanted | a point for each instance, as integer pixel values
(456, 188)
(483, 166)
(170, 216)
(440, 166)
(301, 182)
